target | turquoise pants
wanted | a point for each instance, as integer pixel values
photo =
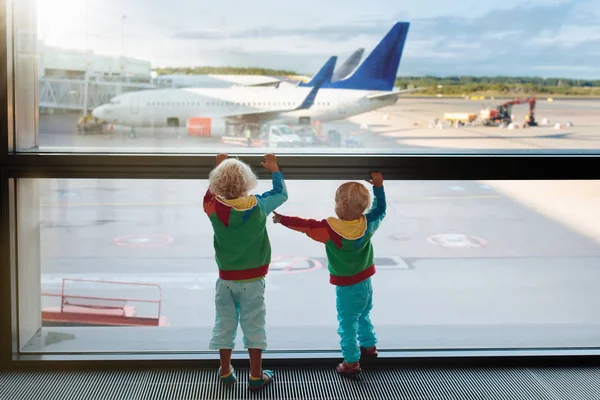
(354, 304)
(243, 303)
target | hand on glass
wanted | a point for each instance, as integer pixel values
(376, 179)
(270, 163)
(221, 158)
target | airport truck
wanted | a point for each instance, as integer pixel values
(280, 136)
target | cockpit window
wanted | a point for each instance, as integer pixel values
(115, 102)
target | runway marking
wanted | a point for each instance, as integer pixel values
(142, 241)
(456, 240)
(289, 264)
(57, 205)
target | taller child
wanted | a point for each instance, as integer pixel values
(243, 255)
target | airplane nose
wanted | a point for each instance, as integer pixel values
(100, 112)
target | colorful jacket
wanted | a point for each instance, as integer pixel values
(347, 243)
(242, 247)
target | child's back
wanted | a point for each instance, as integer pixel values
(243, 254)
(351, 264)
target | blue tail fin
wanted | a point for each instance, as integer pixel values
(325, 73)
(379, 70)
(321, 78)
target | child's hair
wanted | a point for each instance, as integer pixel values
(352, 199)
(232, 179)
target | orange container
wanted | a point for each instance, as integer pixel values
(199, 126)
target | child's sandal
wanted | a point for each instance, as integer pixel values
(228, 379)
(370, 352)
(255, 384)
(349, 370)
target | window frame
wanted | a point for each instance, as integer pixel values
(519, 165)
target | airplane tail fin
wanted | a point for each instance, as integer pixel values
(324, 75)
(321, 78)
(348, 66)
(379, 70)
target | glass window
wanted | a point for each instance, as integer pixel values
(545, 102)
(492, 265)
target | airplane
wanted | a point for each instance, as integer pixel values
(224, 81)
(348, 66)
(368, 88)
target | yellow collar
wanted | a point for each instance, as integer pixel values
(241, 203)
(351, 230)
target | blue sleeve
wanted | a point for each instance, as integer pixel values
(377, 212)
(275, 197)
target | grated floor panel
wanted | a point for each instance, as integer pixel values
(307, 384)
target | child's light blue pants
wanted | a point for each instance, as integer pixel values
(354, 304)
(242, 302)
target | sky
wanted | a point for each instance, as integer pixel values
(547, 38)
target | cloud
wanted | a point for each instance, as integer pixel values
(331, 33)
(547, 38)
(561, 38)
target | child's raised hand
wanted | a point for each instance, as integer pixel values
(376, 179)
(270, 163)
(276, 217)
(221, 158)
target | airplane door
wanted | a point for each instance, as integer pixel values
(342, 109)
(135, 105)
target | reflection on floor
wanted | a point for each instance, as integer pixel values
(319, 338)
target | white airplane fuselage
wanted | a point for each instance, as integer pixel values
(174, 107)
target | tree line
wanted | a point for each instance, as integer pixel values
(434, 85)
(222, 71)
(471, 85)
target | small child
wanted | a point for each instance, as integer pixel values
(243, 255)
(351, 264)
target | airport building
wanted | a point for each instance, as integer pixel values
(70, 63)
(76, 80)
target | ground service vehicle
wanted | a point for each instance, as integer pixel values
(502, 114)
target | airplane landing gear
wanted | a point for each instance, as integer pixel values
(132, 134)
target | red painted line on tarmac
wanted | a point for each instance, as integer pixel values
(295, 261)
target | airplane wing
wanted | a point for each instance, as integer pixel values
(381, 96)
(348, 66)
(324, 75)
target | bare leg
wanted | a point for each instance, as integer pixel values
(255, 363)
(225, 355)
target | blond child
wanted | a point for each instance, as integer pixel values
(349, 251)
(243, 255)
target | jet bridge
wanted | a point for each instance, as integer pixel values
(58, 93)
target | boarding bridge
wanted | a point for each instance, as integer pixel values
(56, 93)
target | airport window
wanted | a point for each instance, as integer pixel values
(106, 240)
(484, 239)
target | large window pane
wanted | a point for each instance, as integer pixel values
(199, 82)
(461, 265)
